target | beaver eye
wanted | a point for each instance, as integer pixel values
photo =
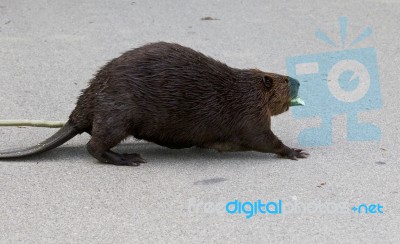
(267, 81)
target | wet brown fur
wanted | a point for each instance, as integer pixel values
(177, 97)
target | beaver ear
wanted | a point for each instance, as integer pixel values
(267, 81)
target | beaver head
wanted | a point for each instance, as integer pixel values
(280, 91)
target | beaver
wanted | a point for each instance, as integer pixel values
(175, 97)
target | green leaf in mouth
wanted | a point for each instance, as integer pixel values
(297, 102)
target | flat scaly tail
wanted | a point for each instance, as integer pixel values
(66, 133)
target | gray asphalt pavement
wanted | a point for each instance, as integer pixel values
(50, 49)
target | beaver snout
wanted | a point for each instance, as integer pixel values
(294, 87)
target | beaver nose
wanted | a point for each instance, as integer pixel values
(294, 87)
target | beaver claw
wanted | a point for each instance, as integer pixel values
(133, 159)
(125, 159)
(296, 153)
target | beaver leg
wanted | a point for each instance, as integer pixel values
(98, 150)
(270, 143)
(104, 138)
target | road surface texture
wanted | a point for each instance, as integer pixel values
(50, 49)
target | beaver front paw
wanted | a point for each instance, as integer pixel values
(295, 153)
